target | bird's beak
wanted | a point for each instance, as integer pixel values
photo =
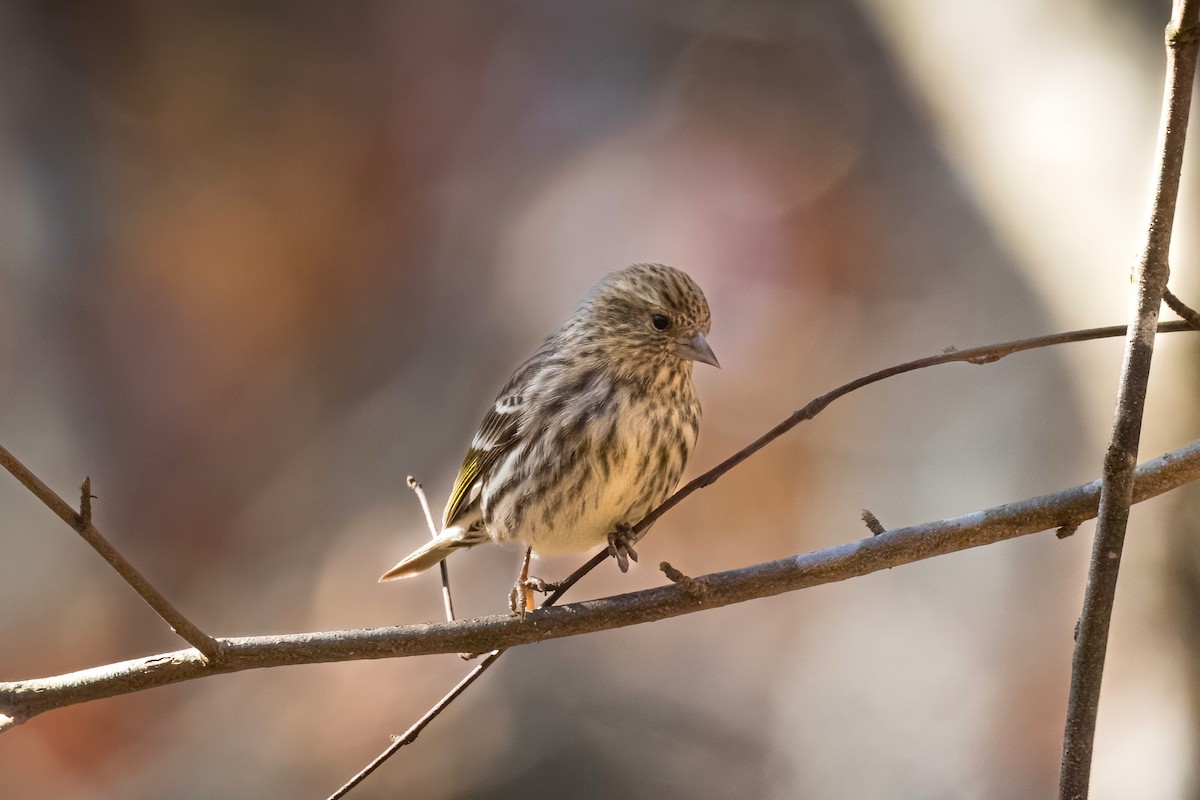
(697, 349)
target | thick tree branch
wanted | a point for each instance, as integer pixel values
(21, 700)
(1150, 279)
(82, 524)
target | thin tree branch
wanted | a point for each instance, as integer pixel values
(411, 734)
(1182, 309)
(987, 354)
(21, 700)
(447, 600)
(1150, 278)
(82, 524)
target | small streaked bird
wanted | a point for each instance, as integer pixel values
(591, 433)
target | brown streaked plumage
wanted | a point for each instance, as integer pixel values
(593, 431)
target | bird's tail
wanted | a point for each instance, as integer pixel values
(431, 553)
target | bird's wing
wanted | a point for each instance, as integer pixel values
(496, 436)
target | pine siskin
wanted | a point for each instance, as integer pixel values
(592, 432)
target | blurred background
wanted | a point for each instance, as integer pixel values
(259, 262)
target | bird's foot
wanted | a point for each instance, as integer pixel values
(620, 545)
(520, 599)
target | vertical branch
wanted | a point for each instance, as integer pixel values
(1116, 494)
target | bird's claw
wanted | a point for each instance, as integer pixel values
(620, 545)
(520, 600)
(540, 586)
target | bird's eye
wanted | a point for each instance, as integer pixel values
(660, 322)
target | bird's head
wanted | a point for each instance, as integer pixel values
(648, 316)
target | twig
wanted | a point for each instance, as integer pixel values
(872, 522)
(692, 587)
(447, 601)
(1182, 309)
(673, 575)
(85, 502)
(21, 700)
(197, 638)
(1067, 530)
(1150, 278)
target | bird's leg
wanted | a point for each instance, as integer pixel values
(620, 545)
(520, 599)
